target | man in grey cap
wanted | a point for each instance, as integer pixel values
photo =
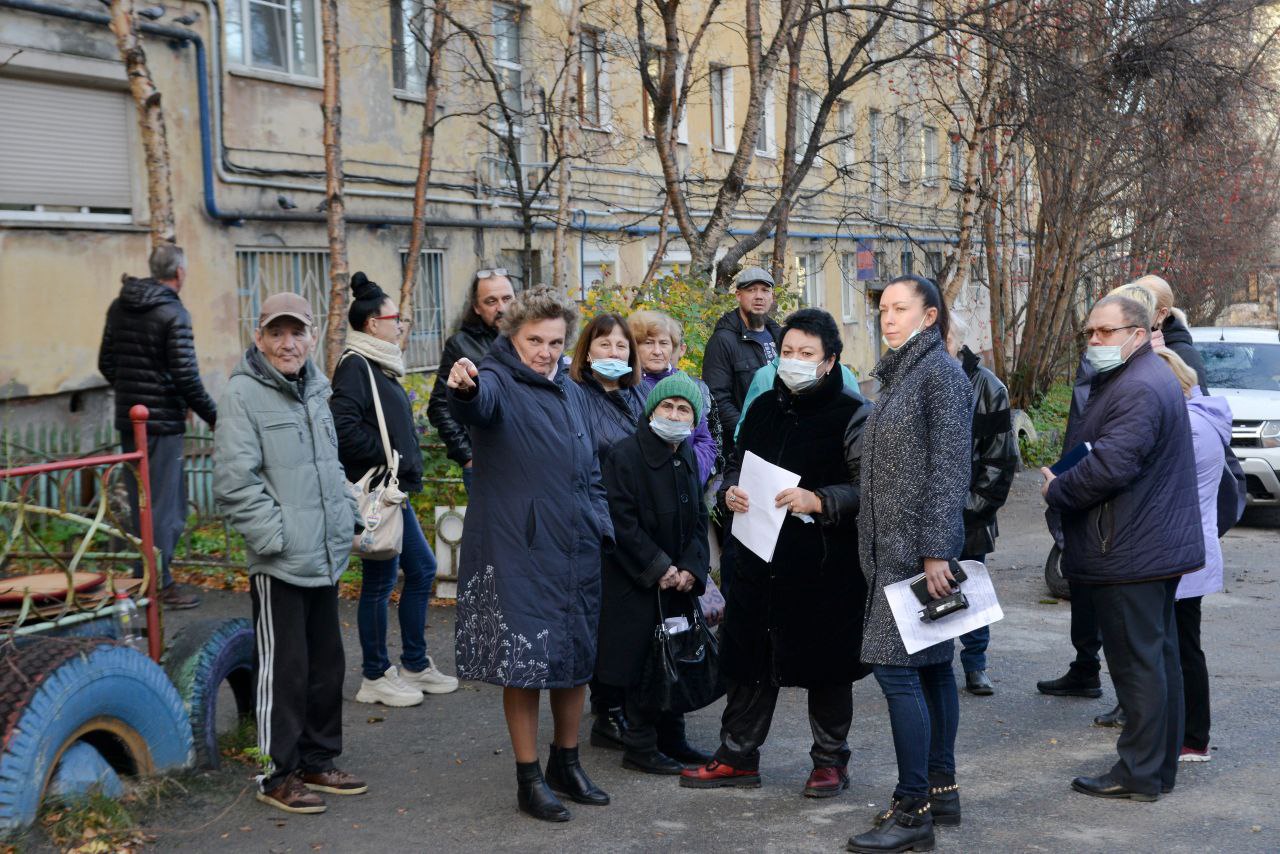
(278, 482)
(744, 340)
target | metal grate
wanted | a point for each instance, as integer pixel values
(263, 272)
(426, 336)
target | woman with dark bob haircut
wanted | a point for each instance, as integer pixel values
(529, 577)
(916, 464)
(795, 620)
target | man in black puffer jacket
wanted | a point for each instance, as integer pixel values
(149, 357)
(487, 299)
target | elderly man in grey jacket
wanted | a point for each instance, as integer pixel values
(278, 481)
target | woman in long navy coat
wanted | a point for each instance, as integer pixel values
(529, 577)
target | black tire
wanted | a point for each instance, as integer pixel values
(202, 656)
(1053, 575)
(55, 692)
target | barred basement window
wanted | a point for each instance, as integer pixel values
(426, 335)
(263, 272)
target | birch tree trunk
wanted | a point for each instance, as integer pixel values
(155, 142)
(417, 231)
(336, 213)
(566, 141)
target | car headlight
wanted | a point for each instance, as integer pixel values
(1270, 435)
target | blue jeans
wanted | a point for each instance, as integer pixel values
(924, 714)
(375, 593)
(973, 645)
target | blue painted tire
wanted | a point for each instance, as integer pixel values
(202, 656)
(55, 692)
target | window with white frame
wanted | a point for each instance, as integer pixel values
(872, 46)
(929, 155)
(846, 151)
(273, 35)
(590, 79)
(427, 332)
(901, 157)
(806, 120)
(875, 151)
(263, 272)
(850, 294)
(906, 262)
(722, 128)
(411, 22)
(657, 57)
(71, 156)
(507, 56)
(809, 270)
(766, 142)
(957, 163)
(924, 19)
(599, 265)
(936, 261)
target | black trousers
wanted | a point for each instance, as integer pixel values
(1195, 674)
(1140, 639)
(605, 697)
(299, 667)
(1085, 636)
(649, 728)
(168, 498)
(744, 726)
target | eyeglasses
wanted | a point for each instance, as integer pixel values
(394, 317)
(1104, 331)
(488, 274)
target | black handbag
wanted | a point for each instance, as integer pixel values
(681, 673)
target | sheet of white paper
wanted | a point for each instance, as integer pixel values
(758, 528)
(984, 609)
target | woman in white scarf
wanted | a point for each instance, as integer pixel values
(373, 342)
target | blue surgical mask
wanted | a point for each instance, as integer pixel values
(914, 333)
(1107, 357)
(797, 374)
(670, 431)
(610, 369)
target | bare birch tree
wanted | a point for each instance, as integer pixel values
(335, 203)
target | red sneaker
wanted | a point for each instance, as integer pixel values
(826, 782)
(1190, 754)
(716, 775)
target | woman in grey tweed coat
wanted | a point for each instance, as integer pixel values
(915, 479)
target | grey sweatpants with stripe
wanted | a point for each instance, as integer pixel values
(300, 666)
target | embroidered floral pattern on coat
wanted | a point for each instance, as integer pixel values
(487, 650)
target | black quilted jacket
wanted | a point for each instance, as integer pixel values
(149, 357)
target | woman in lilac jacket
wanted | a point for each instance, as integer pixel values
(1211, 438)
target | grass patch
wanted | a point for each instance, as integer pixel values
(91, 824)
(241, 743)
(1049, 416)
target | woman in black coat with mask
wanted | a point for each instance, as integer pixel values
(795, 620)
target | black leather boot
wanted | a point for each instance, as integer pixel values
(565, 775)
(609, 729)
(672, 742)
(651, 761)
(944, 799)
(909, 827)
(534, 797)
(1113, 718)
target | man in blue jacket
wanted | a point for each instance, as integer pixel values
(1131, 528)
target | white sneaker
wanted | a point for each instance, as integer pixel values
(389, 690)
(431, 681)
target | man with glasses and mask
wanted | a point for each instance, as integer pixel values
(1131, 527)
(488, 297)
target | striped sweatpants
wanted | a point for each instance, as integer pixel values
(299, 667)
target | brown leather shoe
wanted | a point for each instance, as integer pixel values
(716, 775)
(173, 599)
(826, 782)
(335, 782)
(292, 796)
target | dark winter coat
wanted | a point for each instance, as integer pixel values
(796, 619)
(1130, 510)
(472, 341)
(149, 357)
(916, 465)
(613, 415)
(359, 440)
(995, 456)
(659, 521)
(1177, 337)
(730, 361)
(529, 576)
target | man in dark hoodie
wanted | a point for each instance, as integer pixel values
(149, 357)
(744, 340)
(487, 299)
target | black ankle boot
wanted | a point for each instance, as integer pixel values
(534, 797)
(565, 775)
(944, 799)
(609, 729)
(908, 828)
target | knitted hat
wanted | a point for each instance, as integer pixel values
(678, 384)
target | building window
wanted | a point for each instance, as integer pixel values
(809, 267)
(907, 262)
(599, 265)
(263, 272)
(506, 56)
(721, 82)
(924, 19)
(846, 150)
(274, 35)
(70, 156)
(882, 266)
(656, 59)
(936, 262)
(766, 142)
(590, 68)
(900, 155)
(850, 295)
(426, 334)
(929, 155)
(957, 164)
(873, 143)
(411, 23)
(806, 120)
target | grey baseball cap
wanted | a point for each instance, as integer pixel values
(751, 275)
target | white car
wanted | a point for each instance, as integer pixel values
(1243, 365)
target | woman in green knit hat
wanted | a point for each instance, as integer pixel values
(660, 531)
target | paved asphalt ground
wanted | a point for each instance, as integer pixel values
(441, 775)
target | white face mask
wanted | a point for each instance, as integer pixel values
(798, 374)
(671, 431)
(914, 333)
(1107, 357)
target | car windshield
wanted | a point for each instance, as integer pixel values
(1234, 364)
